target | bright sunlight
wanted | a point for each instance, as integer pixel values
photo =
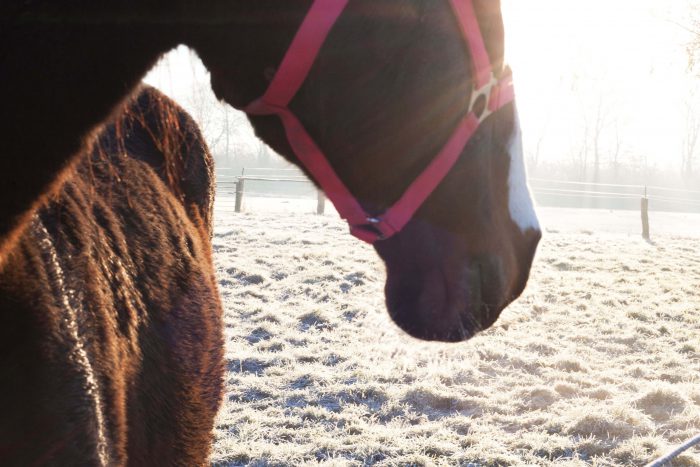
(624, 58)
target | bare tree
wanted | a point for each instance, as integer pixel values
(616, 149)
(578, 151)
(219, 122)
(693, 47)
(263, 158)
(689, 150)
(601, 116)
(534, 150)
(691, 135)
(603, 133)
(228, 134)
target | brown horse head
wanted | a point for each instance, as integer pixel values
(389, 85)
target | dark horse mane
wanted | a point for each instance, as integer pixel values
(110, 318)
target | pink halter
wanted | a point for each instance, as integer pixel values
(488, 95)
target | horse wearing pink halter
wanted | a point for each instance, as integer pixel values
(489, 94)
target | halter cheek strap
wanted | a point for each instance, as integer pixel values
(489, 95)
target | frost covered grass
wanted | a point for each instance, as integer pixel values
(598, 363)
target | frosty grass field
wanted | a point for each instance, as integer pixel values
(597, 364)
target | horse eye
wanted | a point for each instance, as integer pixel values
(269, 73)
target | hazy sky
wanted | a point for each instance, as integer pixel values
(627, 57)
(571, 59)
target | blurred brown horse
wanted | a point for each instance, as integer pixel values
(389, 85)
(111, 320)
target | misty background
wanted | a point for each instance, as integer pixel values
(608, 93)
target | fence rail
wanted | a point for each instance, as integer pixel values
(674, 198)
(617, 185)
(547, 191)
(256, 174)
(616, 196)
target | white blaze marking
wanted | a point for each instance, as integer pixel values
(522, 209)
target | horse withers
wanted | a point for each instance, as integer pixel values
(112, 349)
(381, 95)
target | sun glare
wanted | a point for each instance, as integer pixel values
(622, 60)
(624, 57)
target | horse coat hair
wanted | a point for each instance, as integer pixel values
(110, 327)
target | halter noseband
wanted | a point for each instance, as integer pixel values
(489, 92)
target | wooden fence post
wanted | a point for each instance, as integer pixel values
(320, 202)
(240, 186)
(645, 216)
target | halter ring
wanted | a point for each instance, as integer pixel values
(485, 93)
(488, 95)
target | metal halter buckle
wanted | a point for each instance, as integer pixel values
(373, 226)
(292, 73)
(480, 95)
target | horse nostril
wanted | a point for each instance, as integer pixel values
(486, 288)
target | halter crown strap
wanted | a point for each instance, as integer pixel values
(288, 79)
(295, 68)
(468, 23)
(302, 51)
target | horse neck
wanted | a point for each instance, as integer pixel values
(59, 82)
(66, 66)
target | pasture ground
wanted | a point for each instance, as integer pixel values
(597, 364)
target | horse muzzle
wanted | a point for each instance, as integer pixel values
(456, 297)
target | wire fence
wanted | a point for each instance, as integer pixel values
(562, 193)
(270, 183)
(234, 185)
